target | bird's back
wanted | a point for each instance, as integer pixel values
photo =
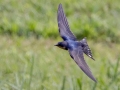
(73, 44)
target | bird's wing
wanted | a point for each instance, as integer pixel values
(77, 55)
(64, 29)
(86, 48)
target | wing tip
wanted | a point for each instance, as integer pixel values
(60, 5)
(94, 80)
(59, 9)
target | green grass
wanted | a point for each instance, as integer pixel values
(87, 18)
(30, 64)
(36, 64)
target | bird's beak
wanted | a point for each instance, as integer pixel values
(56, 45)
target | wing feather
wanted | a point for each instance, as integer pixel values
(63, 25)
(77, 55)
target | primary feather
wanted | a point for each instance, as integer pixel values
(64, 28)
(77, 55)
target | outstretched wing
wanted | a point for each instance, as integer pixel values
(64, 29)
(77, 55)
(86, 48)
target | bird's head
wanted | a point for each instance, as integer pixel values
(62, 45)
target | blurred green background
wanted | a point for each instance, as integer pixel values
(28, 32)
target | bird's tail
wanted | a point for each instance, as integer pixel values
(86, 48)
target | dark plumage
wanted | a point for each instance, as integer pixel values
(70, 43)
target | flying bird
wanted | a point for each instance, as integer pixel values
(70, 43)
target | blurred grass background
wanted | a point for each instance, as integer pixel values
(28, 32)
(37, 17)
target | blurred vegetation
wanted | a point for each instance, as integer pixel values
(35, 64)
(95, 19)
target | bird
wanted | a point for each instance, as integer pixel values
(72, 45)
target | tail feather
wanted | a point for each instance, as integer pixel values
(86, 48)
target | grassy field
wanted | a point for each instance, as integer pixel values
(30, 61)
(87, 18)
(30, 64)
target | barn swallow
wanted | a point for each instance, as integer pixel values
(70, 43)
